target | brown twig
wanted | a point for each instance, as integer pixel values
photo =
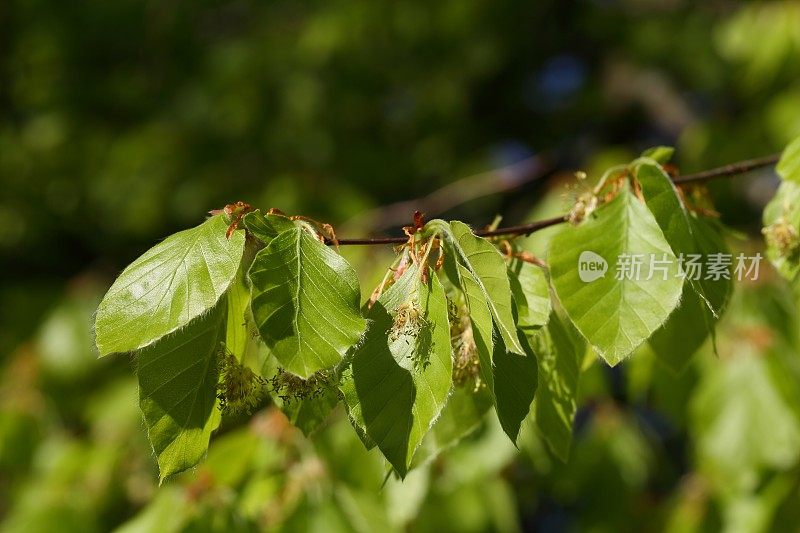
(733, 169)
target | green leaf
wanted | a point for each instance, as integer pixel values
(170, 285)
(400, 381)
(782, 230)
(236, 336)
(659, 154)
(685, 232)
(703, 300)
(788, 167)
(515, 381)
(486, 264)
(531, 294)
(178, 391)
(663, 201)
(266, 227)
(690, 324)
(615, 315)
(482, 326)
(305, 302)
(241, 335)
(559, 372)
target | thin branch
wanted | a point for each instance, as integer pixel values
(733, 169)
(524, 229)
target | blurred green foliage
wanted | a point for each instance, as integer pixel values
(123, 121)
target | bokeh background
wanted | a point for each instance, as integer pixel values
(124, 121)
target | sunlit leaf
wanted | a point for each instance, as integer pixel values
(703, 300)
(531, 294)
(659, 154)
(486, 264)
(306, 301)
(173, 283)
(615, 315)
